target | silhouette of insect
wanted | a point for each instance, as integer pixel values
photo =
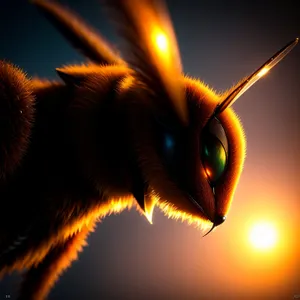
(111, 135)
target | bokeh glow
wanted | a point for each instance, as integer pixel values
(161, 41)
(263, 236)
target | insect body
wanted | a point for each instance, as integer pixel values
(112, 134)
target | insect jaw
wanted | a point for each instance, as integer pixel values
(148, 207)
(197, 205)
(148, 199)
(218, 221)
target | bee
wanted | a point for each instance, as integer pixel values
(112, 134)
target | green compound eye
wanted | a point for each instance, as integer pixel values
(214, 158)
(214, 150)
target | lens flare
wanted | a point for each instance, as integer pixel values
(263, 72)
(162, 42)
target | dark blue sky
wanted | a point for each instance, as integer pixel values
(127, 258)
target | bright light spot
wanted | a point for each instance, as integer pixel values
(149, 203)
(208, 172)
(263, 236)
(263, 72)
(161, 42)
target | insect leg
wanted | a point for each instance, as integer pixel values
(39, 280)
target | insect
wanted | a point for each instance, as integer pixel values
(112, 134)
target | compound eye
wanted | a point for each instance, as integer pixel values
(214, 158)
(214, 150)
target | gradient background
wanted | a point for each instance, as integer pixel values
(127, 258)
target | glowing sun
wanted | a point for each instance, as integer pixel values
(263, 236)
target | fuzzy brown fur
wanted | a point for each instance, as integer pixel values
(91, 147)
(39, 280)
(16, 117)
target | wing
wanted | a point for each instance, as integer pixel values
(78, 33)
(152, 51)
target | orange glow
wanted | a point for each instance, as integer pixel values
(161, 42)
(263, 236)
(173, 213)
(36, 255)
(149, 207)
(263, 72)
(208, 172)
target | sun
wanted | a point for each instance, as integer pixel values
(263, 236)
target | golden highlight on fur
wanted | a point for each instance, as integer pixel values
(112, 134)
(16, 116)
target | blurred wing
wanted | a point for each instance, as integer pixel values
(79, 34)
(152, 49)
(259, 73)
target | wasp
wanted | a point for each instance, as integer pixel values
(112, 134)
